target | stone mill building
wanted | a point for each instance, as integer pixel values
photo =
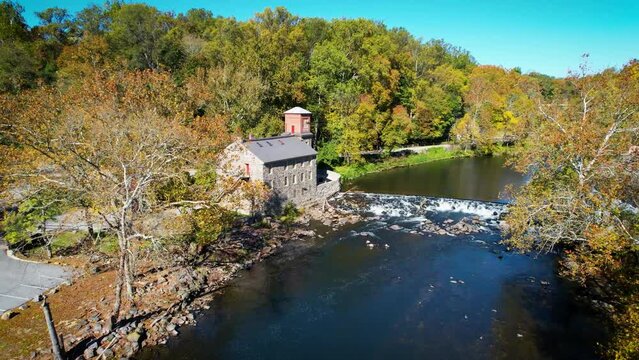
(287, 164)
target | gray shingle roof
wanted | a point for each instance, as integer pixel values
(279, 148)
(297, 110)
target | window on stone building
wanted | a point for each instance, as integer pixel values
(285, 180)
(302, 177)
(310, 175)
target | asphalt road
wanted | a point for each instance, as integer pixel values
(21, 281)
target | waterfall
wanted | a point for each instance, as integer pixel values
(409, 206)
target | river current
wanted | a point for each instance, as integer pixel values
(401, 284)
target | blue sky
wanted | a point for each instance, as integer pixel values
(548, 36)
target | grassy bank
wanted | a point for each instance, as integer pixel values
(355, 170)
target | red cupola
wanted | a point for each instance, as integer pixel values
(297, 121)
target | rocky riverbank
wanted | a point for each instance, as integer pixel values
(167, 298)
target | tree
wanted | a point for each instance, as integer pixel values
(136, 32)
(232, 93)
(436, 102)
(109, 139)
(92, 20)
(28, 223)
(55, 25)
(397, 130)
(329, 66)
(90, 55)
(18, 69)
(498, 108)
(355, 131)
(581, 200)
(12, 24)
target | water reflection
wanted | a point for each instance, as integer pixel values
(471, 178)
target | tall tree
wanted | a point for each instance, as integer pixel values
(497, 107)
(583, 156)
(18, 68)
(136, 33)
(110, 140)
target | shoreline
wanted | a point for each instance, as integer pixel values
(429, 154)
(167, 298)
(353, 171)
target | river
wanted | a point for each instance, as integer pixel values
(482, 178)
(424, 296)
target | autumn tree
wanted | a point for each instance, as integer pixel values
(110, 139)
(89, 55)
(498, 107)
(232, 93)
(581, 200)
(398, 129)
(436, 102)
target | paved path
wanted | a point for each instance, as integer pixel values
(21, 281)
(412, 149)
(421, 149)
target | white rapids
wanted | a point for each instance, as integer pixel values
(409, 206)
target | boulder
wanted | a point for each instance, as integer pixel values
(307, 233)
(134, 337)
(89, 352)
(7, 315)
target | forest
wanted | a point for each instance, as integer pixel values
(104, 109)
(399, 89)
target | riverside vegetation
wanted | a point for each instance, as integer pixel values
(351, 171)
(119, 113)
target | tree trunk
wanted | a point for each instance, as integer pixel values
(128, 272)
(47, 246)
(87, 220)
(118, 294)
(125, 269)
(55, 342)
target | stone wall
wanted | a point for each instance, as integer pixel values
(330, 187)
(234, 161)
(326, 189)
(293, 180)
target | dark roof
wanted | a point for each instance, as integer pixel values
(297, 110)
(279, 148)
